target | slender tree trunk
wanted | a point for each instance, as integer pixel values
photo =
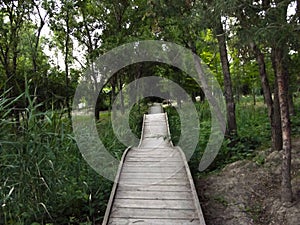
(290, 93)
(121, 94)
(231, 119)
(286, 62)
(67, 80)
(97, 108)
(274, 117)
(254, 96)
(282, 80)
(277, 119)
(291, 104)
(113, 83)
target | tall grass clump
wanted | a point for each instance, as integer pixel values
(43, 177)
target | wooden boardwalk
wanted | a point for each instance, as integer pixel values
(154, 183)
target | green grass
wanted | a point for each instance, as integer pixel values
(253, 133)
(43, 177)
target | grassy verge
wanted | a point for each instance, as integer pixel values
(43, 176)
(253, 133)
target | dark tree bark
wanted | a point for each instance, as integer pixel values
(97, 109)
(272, 106)
(277, 119)
(282, 80)
(291, 104)
(231, 119)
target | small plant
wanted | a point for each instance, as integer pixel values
(221, 200)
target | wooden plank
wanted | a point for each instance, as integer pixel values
(164, 181)
(154, 164)
(150, 148)
(151, 159)
(159, 188)
(154, 154)
(153, 221)
(154, 143)
(156, 130)
(158, 156)
(146, 182)
(154, 122)
(151, 169)
(153, 151)
(154, 213)
(154, 204)
(154, 195)
(153, 175)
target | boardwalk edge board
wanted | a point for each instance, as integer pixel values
(192, 185)
(142, 133)
(114, 188)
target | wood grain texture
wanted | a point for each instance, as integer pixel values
(154, 184)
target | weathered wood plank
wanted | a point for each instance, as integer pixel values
(154, 204)
(154, 164)
(153, 151)
(150, 159)
(153, 221)
(152, 181)
(154, 195)
(153, 154)
(159, 188)
(153, 175)
(151, 169)
(153, 213)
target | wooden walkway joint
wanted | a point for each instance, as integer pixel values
(154, 184)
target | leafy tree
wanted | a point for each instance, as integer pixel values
(13, 16)
(62, 20)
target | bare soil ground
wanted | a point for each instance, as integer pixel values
(248, 192)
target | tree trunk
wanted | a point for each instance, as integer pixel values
(272, 106)
(282, 80)
(286, 62)
(291, 104)
(254, 96)
(277, 119)
(67, 80)
(113, 83)
(121, 94)
(290, 92)
(97, 109)
(231, 119)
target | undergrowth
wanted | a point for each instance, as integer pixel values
(254, 132)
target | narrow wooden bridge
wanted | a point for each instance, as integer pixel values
(154, 184)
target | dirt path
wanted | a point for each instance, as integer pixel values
(247, 192)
